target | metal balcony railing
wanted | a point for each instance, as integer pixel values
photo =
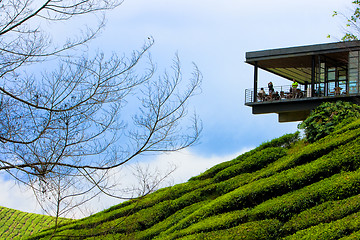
(280, 93)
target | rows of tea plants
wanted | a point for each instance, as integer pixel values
(15, 224)
(285, 188)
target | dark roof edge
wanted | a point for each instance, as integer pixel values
(301, 50)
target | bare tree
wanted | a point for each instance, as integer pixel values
(69, 126)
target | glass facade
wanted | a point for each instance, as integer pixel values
(331, 77)
(354, 68)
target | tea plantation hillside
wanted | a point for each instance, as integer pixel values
(287, 188)
(15, 224)
(284, 189)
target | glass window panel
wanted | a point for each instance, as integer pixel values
(354, 53)
(331, 76)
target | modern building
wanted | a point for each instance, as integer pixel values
(324, 72)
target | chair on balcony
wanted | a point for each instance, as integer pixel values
(298, 93)
(282, 95)
(337, 90)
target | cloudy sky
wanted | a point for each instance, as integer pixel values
(215, 35)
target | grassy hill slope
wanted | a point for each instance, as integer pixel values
(16, 224)
(283, 189)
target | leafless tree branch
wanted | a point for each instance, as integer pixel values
(63, 130)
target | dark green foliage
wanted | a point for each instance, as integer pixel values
(327, 117)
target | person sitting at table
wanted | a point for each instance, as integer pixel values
(282, 95)
(299, 93)
(262, 94)
(276, 96)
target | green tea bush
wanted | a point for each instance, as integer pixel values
(160, 195)
(327, 117)
(326, 212)
(251, 163)
(287, 205)
(266, 229)
(308, 153)
(352, 236)
(219, 167)
(295, 185)
(161, 226)
(263, 189)
(338, 186)
(284, 141)
(19, 225)
(329, 231)
(213, 223)
(124, 210)
(142, 218)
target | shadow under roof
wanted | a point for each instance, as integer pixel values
(296, 62)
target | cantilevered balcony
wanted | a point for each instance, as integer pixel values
(324, 72)
(293, 106)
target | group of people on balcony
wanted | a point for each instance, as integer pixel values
(295, 92)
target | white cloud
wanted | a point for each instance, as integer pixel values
(190, 164)
(17, 196)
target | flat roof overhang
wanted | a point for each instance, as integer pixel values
(296, 62)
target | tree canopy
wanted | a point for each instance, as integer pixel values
(328, 117)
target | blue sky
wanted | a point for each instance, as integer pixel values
(215, 35)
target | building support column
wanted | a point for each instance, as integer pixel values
(256, 68)
(312, 76)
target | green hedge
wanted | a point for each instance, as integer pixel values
(161, 226)
(213, 223)
(270, 183)
(266, 229)
(338, 186)
(252, 163)
(259, 191)
(352, 236)
(123, 211)
(284, 141)
(326, 212)
(137, 220)
(301, 155)
(283, 207)
(332, 230)
(19, 225)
